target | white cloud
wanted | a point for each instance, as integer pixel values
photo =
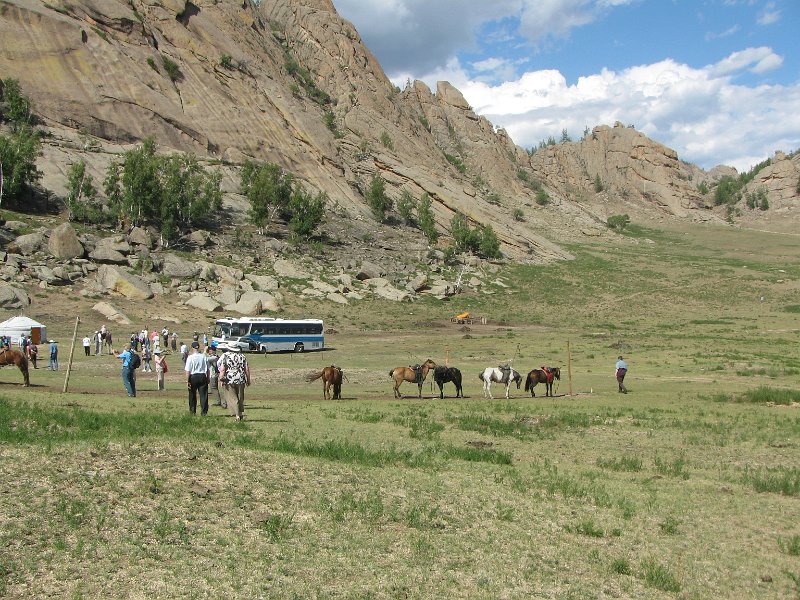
(700, 113)
(757, 60)
(769, 15)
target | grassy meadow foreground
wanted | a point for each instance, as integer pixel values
(687, 487)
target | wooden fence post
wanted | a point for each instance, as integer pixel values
(569, 368)
(71, 350)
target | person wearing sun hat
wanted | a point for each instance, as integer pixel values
(234, 374)
(53, 355)
(161, 368)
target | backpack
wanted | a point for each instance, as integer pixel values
(135, 362)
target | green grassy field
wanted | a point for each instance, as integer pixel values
(687, 487)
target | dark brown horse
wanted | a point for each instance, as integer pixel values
(539, 376)
(442, 375)
(9, 356)
(331, 378)
(401, 374)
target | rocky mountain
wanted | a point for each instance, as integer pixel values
(291, 82)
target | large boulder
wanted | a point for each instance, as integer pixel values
(140, 237)
(12, 297)
(284, 268)
(111, 313)
(107, 255)
(254, 303)
(64, 242)
(118, 281)
(115, 242)
(390, 292)
(180, 268)
(264, 283)
(203, 302)
(368, 270)
(27, 244)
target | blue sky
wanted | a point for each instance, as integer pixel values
(716, 80)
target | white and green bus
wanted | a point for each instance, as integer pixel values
(268, 334)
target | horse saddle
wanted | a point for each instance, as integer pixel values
(506, 371)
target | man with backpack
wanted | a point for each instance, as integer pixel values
(130, 362)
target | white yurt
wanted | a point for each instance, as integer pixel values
(17, 326)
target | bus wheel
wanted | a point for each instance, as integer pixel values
(298, 347)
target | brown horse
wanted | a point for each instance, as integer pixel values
(401, 374)
(539, 376)
(331, 378)
(9, 356)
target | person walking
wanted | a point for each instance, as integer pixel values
(173, 341)
(98, 341)
(213, 372)
(128, 367)
(161, 368)
(33, 354)
(87, 345)
(197, 379)
(234, 373)
(621, 369)
(146, 356)
(53, 355)
(185, 352)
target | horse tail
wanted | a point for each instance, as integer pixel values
(480, 376)
(528, 383)
(313, 376)
(391, 373)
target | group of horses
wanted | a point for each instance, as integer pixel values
(332, 379)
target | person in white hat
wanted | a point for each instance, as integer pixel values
(234, 374)
(161, 367)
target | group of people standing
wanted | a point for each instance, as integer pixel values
(206, 370)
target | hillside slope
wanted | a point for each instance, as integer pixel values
(290, 82)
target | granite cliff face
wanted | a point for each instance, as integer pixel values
(289, 81)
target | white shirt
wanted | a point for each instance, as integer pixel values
(196, 363)
(87, 341)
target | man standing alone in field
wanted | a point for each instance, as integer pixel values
(620, 372)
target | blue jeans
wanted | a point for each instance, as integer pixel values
(128, 381)
(54, 362)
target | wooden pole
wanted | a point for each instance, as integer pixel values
(569, 368)
(446, 356)
(71, 350)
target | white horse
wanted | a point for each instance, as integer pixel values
(491, 374)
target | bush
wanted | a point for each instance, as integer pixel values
(18, 154)
(377, 199)
(225, 61)
(173, 192)
(268, 189)
(307, 212)
(618, 222)
(542, 198)
(425, 219)
(456, 162)
(14, 106)
(406, 207)
(482, 240)
(727, 192)
(598, 184)
(81, 195)
(387, 141)
(518, 214)
(171, 68)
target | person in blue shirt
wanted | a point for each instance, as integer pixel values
(621, 370)
(127, 372)
(53, 355)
